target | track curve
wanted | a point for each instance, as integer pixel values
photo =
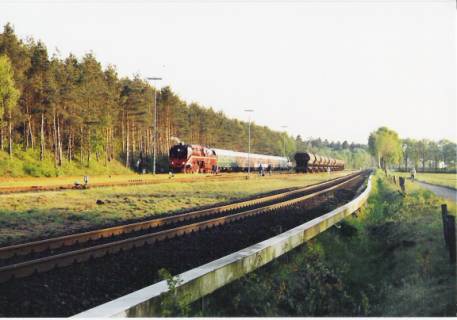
(228, 213)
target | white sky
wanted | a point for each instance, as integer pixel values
(330, 69)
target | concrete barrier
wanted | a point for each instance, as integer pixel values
(203, 280)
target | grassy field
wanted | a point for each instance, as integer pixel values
(53, 181)
(443, 179)
(389, 261)
(26, 216)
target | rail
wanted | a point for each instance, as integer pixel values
(68, 240)
(23, 269)
(203, 280)
(130, 182)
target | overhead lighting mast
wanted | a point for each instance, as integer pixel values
(249, 111)
(154, 148)
(284, 142)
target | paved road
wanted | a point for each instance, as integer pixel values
(444, 192)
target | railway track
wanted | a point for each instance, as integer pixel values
(131, 182)
(40, 256)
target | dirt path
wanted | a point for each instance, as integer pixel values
(440, 191)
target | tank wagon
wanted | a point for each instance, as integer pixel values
(195, 158)
(311, 162)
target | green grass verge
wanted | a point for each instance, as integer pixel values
(442, 179)
(45, 214)
(388, 261)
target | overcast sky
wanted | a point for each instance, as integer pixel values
(330, 69)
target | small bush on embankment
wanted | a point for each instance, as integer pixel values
(388, 261)
(27, 163)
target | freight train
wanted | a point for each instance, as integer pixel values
(311, 162)
(195, 158)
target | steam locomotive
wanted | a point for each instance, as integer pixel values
(195, 158)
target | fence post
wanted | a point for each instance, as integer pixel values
(401, 180)
(451, 237)
(445, 228)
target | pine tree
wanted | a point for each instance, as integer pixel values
(9, 97)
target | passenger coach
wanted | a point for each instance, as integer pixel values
(195, 158)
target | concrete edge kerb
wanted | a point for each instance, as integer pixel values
(120, 306)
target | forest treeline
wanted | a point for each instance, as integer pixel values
(71, 113)
(390, 151)
(428, 155)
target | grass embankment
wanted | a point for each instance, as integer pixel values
(45, 214)
(442, 179)
(388, 261)
(27, 164)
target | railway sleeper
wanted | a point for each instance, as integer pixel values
(98, 254)
(163, 235)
